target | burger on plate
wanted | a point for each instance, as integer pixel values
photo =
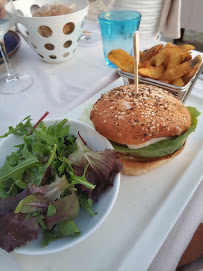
(146, 129)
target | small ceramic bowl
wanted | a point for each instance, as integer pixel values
(61, 34)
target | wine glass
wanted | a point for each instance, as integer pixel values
(13, 82)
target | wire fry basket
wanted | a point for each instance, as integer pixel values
(181, 93)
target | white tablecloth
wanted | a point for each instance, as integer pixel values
(58, 89)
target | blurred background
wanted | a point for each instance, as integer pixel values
(177, 21)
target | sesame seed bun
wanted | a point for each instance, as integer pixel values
(134, 119)
(131, 119)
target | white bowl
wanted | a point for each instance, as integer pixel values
(84, 221)
(59, 45)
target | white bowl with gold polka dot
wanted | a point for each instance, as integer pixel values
(53, 38)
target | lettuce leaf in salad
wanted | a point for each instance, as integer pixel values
(40, 197)
(16, 171)
(8, 205)
(21, 129)
(102, 167)
(65, 228)
(163, 147)
(67, 208)
(16, 230)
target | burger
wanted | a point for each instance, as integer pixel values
(147, 128)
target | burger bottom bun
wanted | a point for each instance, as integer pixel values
(137, 166)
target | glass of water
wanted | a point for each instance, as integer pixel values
(117, 28)
(12, 82)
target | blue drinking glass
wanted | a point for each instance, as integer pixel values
(117, 28)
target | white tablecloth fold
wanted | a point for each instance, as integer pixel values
(171, 251)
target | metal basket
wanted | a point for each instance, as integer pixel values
(180, 93)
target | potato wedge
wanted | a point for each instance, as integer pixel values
(146, 64)
(152, 72)
(141, 54)
(174, 57)
(185, 47)
(161, 56)
(178, 82)
(187, 77)
(167, 82)
(164, 53)
(186, 56)
(150, 53)
(165, 63)
(122, 60)
(182, 69)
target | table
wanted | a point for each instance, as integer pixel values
(59, 88)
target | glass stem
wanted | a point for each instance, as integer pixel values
(10, 72)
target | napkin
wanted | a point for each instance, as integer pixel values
(170, 19)
(177, 241)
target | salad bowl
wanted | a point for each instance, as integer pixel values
(86, 223)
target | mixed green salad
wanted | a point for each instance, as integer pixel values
(45, 182)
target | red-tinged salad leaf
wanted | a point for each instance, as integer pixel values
(41, 196)
(67, 208)
(32, 204)
(9, 205)
(16, 230)
(101, 170)
(51, 191)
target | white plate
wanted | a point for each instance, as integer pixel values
(144, 200)
(86, 224)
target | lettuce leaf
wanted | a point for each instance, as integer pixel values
(8, 205)
(67, 208)
(16, 230)
(102, 167)
(65, 228)
(41, 196)
(163, 147)
(16, 172)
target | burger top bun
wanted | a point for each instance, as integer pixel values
(128, 118)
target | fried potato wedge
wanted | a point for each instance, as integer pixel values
(174, 57)
(186, 56)
(187, 77)
(182, 69)
(150, 53)
(185, 47)
(152, 72)
(164, 53)
(146, 64)
(141, 54)
(122, 60)
(178, 82)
